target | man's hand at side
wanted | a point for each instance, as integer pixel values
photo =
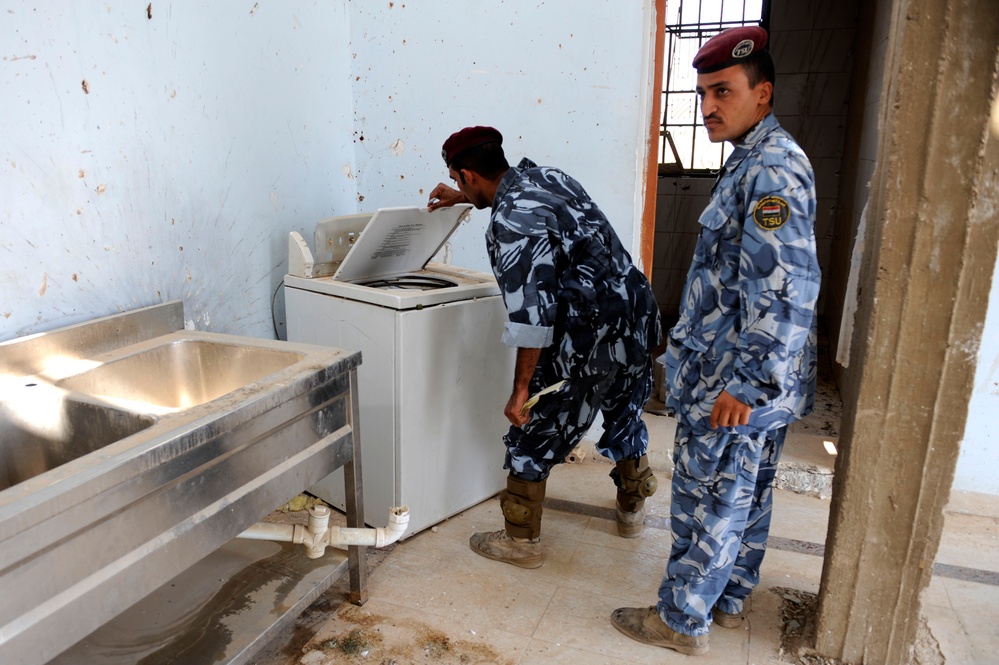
(729, 412)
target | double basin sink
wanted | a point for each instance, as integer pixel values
(130, 448)
(52, 423)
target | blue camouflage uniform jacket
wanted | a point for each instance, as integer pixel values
(567, 282)
(747, 315)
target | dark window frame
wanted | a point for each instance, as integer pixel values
(677, 158)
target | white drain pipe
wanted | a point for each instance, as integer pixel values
(319, 534)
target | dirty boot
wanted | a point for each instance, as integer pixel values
(519, 544)
(728, 619)
(643, 624)
(635, 483)
(499, 546)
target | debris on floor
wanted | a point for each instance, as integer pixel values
(797, 619)
(355, 635)
(302, 502)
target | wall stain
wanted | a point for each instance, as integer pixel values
(86, 87)
(45, 284)
(149, 11)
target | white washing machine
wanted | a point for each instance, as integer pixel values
(434, 378)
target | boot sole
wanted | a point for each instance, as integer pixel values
(520, 563)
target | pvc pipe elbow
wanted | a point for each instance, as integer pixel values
(378, 537)
(397, 525)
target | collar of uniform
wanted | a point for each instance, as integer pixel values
(510, 177)
(752, 137)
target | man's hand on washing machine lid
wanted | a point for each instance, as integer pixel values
(444, 197)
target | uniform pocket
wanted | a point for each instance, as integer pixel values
(712, 222)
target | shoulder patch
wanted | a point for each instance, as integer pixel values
(771, 213)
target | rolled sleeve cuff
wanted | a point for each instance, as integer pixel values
(521, 335)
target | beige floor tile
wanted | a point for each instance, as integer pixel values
(615, 573)
(763, 624)
(949, 634)
(960, 529)
(973, 503)
(654, 541)
(584, 482)
(541, 652)
(465, 587)
(935, 592)
(975, 607)
(792, 570)
(799, 517)
(580, 620)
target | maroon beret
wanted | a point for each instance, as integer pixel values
(730, 47)
(468, 138)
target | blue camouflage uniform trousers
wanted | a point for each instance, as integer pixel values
(561, 419)
(720, 511)
(571, 289)
(747, 326)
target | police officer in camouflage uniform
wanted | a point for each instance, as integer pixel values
(740, 363)
(580, 312)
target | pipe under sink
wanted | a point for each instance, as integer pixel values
(132, 448)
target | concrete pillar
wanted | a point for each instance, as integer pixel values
(931, 250)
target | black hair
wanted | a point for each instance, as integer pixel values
(487, 160)
(761, 68)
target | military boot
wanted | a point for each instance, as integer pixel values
(645, 625)
(635, 483)
(519, 544)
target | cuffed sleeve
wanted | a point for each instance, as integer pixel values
(520, 335)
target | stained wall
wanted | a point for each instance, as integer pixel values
(159, 152)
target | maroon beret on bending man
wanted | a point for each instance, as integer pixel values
(730, 47)
(466, 139)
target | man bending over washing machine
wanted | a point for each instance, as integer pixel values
(580, 312)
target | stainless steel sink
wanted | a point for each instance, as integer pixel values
(46, 433)
(131, 449)
(180, 374)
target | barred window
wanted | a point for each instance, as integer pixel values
(684, 146)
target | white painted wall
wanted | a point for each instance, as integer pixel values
(206, 133)
(211, 130)
(978, 463)
(565, 82)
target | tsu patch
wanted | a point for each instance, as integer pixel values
(771, 212)
(743, 48)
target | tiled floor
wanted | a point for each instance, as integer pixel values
(433, 601)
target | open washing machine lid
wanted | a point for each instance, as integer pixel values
(398, 241)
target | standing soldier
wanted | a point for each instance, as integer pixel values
(740, 363)
(580, 312)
